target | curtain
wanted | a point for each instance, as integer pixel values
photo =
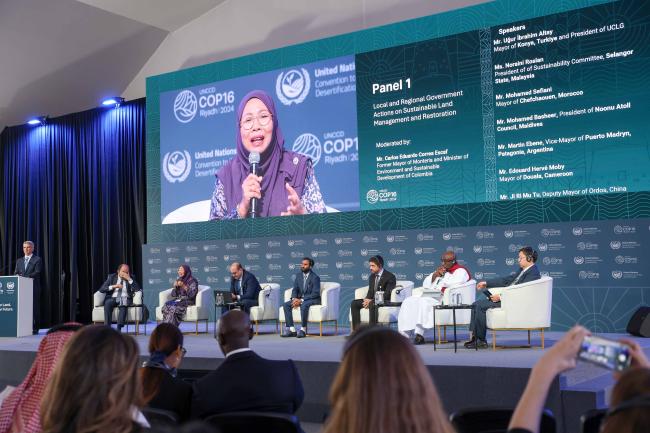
(76, 188)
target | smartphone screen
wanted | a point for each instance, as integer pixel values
(605, 353)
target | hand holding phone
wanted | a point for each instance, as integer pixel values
(605, 353)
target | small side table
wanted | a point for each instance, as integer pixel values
(221, 302)
(453, 309)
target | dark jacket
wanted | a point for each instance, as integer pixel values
(311, 292)
(34, 267)
(387, 283)
(531, 274)
(246, 381)
(131, 288)
(250, 287)
(173, 395)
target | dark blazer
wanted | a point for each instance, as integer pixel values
(246, 381)
(387, 283)
(312, 291)
(131, 288)
(33, 270)
(173, 395)
(250, 287)
(531, 274)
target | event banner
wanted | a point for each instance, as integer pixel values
(547, 107)
(604, 255)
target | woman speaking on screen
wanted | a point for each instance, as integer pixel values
(264, 179)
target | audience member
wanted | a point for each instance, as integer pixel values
(20, 411)
(245, 380)
(95, 386)
(160, 387)
(382, 386)
(633, 384)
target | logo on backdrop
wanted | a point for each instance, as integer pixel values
(308, 145)
(185, 106)
(372, 196)
(177, 165)
(293, 86)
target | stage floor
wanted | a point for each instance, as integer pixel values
(455, 374)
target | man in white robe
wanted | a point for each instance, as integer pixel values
(416, 312)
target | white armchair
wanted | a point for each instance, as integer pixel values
(199, 312)
(268, 302)
(134, 314)
(327, 311)
(386, 315)
(524, 307)
(464, 293)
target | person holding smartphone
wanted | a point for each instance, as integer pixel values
(628, 412)
(119, 289)
(478, 323)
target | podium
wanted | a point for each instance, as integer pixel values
(16, 298)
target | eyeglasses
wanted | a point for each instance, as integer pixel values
(263, 119)
(183, 351)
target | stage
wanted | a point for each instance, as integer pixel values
(464, 379)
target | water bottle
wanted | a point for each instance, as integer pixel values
(219, 298)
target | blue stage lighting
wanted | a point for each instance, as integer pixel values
(42, 120)
(115, 101)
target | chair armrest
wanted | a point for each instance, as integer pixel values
(330, 295)
(417, 292)
(400, 293)
(137, 298)
(203, 297)
(287, 295)
(164, 296)
(360, 293)
(98, 299)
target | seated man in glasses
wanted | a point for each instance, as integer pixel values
(416, 313)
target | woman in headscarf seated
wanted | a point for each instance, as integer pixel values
(183, 293)
(161, 388)
(285, 183)
(20, 411)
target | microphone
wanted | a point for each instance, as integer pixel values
(253, 161)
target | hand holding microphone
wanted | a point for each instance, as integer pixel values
(251, 188)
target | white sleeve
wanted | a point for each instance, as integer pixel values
(459, 276)
(428, 281)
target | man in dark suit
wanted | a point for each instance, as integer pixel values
(245, 381)
(380, 280)
(244, 287)
(305, 293)
(478, 324)
(119, 289)
(30, 266)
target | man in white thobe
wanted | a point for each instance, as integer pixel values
(416, 312)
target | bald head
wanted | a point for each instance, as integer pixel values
(448, 259)
(234, 331)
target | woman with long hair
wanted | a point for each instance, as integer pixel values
(20, 411)
(95, 386)
(373, 392)
(183, 293)
(160, 387)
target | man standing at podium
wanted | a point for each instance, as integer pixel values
(30, 266)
